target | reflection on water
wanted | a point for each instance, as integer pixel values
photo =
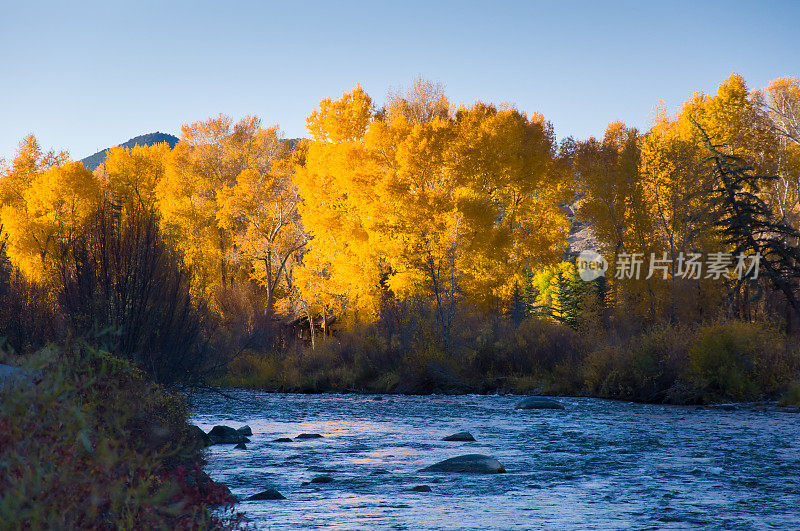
(597, 465)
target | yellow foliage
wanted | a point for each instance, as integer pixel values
(134, 173)
(422, 199)
(50, 214)
(227, 198)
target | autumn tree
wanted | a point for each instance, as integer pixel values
(422, 198)
(782, 117)
(133, 174)
(227, 200)
(45, 202)
(260, 211)
(748, 225)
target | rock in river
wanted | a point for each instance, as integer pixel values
(537, 402)
(269, 494)
(197, 437)
(226, 435)
(420, 488)
(470, 464)
(460, 436)
(245, 430)
(308, 436)
(322, 479)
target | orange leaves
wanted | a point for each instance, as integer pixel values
(418, 191)
(342, 120)
(53, 209)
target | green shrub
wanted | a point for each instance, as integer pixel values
(643, 368)
(739, 361)
(792, 396)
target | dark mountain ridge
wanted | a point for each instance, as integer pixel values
(93, 161)
(150, 139)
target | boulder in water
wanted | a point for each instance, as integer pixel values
(283, 439)
(241, 446)
(469, 464)
(537, 402)
(309, 436)
(226, 435)
(322, 479)
(269, 494)
(421, 488)
(197, 437)
(460, 436)
(245, 430)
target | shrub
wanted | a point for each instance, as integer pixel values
(642, 368)
(536, 347)
(93, 445)
(121, 274)
(792, 396)
(739, 360)
(27, 319)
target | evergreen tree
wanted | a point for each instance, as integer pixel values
(746, 222)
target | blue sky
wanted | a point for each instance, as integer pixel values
(84, 77)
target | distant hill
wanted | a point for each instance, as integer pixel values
(149, 139)
(93, 161)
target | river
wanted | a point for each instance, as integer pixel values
(597, 464)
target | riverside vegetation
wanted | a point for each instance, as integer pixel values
(413, 247)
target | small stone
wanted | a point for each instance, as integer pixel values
(421, 488)
(469, 464)
(536, 402)
(309, 436)
(226, 435)
(283, 439)
(322, 479)
(460, 436)
(269, 494)
(241, 446)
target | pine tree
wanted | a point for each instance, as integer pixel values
(746, 222)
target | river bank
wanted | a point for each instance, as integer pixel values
(729, 361)
(88, 442)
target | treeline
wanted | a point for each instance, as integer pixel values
(419, 224)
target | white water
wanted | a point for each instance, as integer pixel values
(597, 465)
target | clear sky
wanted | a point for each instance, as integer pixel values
(83, 76)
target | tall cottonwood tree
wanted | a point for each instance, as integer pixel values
(260, 211)
(422, 198)
(46, 215)
(227, 200)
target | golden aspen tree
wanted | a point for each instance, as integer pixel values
(134, 173)
(673, 185)
(732, 119)
(607, 174)
(260, 212)
(200, 172)
(49, 216)
(420, 198)
(341, 263)
(783, 119)
(28, 163)
(613, 203)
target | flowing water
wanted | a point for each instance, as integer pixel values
(596, 465)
